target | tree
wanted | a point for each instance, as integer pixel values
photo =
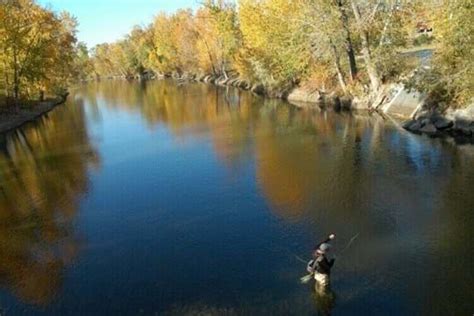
(327, 38)
(277, 49)
(451, 77)
(37, 47)
(363, 19)
(82, 65)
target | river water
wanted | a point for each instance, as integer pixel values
(154, 198)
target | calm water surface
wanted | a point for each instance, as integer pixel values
(163, 199)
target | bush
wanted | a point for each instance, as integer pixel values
(423, 39)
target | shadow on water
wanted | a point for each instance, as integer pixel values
(231, 163)
(43, 172)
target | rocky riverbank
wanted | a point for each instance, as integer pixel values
(454, 123)
(301, 96)
(13, 120)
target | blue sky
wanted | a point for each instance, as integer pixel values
(108, 20)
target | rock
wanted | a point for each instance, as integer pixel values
(423, 114)
(335, 101)
(466, 114)
(360, 104)
(408, 124)
(303, 94)
(258, 89)
(429, 129)
(442, 123)
(425, 121)
(465, 131)
(463, 127)
(415, 127)
(346, 103)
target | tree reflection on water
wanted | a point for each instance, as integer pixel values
(43, 172)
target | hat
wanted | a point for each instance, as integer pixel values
(324, 247)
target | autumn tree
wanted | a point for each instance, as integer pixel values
(351, 46)
(451, 77)
(278, 52)
(82, 68)
(37, 47)
(222, 33)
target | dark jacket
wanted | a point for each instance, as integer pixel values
(323, 265)
(320, 263)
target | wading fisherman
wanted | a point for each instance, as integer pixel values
(320, 266)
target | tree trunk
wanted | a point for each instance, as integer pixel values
(16, 82)
(7, 81)
(369, 64)
(224, 71)
(387, 24)
(337, 64)
(211, 60)
(349, 47)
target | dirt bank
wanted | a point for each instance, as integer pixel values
(12, 120)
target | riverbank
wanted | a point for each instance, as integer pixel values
(406, 108)
(12, 120)
(300, 96)
(458, 124)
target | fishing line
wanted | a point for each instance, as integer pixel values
(350, 243)
(347, 246)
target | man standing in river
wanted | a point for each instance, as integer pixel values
(320, 266)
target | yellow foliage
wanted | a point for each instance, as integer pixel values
(37, 45)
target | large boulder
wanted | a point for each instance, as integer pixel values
(407, 124)
(464, 127)
(303, 94)
(466, 114)
(413, 126)
(429, 129)
(360, 104)
(442, 123)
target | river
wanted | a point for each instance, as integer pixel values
(154, 198)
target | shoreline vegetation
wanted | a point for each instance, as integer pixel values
(347, 54)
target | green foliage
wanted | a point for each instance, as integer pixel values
(454, 59)
(423, 39)
(450, 79)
